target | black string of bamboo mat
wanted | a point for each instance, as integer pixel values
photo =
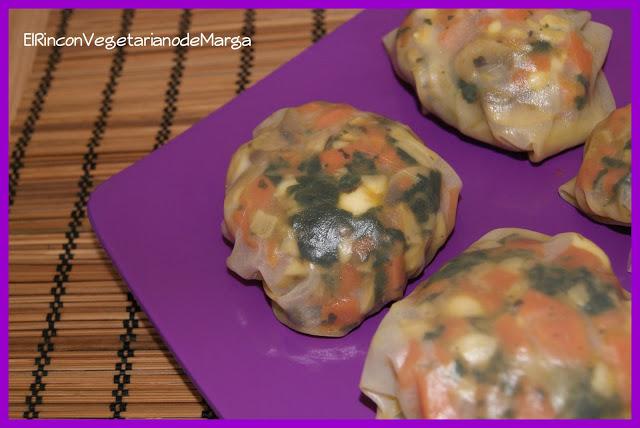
(246, 52)
(37, 104)
(173, 85)
(319, 27)
(124, 367)
(78, 213)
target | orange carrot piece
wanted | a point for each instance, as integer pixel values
(579, 54)
(389, 160)
(257, 195)
(423, 394)
(396, 274)
(309, 108)
(332, 160)
(484, 21)
(515, 14)
(346, 309)
(350, 278)
(556, 327)
(574, 257)
(541, 60)
(526, 244)
(519, 76)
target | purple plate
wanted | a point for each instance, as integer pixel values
(159, 220)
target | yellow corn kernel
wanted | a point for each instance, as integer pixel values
(579, 294)
(421, 35)
(538, 80)
(263, 224)
(602, 381)
(552, 36)
(556, 22)
(464, 306)
(476, 348)
(357, 202)
(494, 27)
(375, 184)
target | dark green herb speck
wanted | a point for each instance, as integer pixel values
(331, 318)
(469, 91)
(435, 333)
(348, 182)
(583, 80)
(540, 46)
(463, 262)
(311, 166)
(458, 366)
(423, 197)
(614, 163)
(580, 101)
(600, 176)
(272, 171)
(361, 164)
(406, 157)
(479, 61)
(315, 190)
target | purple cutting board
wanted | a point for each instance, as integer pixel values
(159, 220)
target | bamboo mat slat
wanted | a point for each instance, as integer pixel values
(79, 345)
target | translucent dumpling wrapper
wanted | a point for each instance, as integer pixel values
(602, 188)
(333, 209)
(520, 325)
(525, 80)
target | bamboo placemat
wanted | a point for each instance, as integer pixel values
(79, 345)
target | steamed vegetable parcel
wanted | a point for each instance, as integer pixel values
(602, 188)
(521, 79)
(520, 325)
(333, 209)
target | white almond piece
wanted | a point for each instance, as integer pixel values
(602, 381)
(422, 34)
(296, 268)
(262, 224)
(464, 306)
(556, 22)
(290, 246)
(552, 36)
(477, 349)
(357, 202)
(345, 250)
(538, 80)
(287, 182)
(376, 184)
(578, 294)
(494, 27)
